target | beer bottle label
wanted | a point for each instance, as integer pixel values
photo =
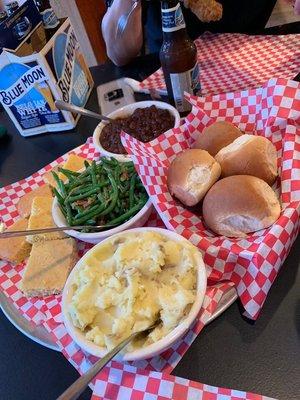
(172, 19)
(50, 20)
(185, 82)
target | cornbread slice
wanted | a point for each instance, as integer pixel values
(25, 202)
(15, 249)
(41, 217)
(48, 177)
(74, 163)
(48, 267)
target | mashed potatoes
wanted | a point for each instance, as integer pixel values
(128, 283)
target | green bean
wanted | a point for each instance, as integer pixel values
(126, 215)
(69, 174)
(87, 211)
(80, 189)
(114, 195)
(107, 162)
(131, 191)
(58, 196)
(85, 194)
(93, 173)
(94, 213)
(60, 184)
(78, 182)
(69, 214)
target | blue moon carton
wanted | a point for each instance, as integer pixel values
(30, 85)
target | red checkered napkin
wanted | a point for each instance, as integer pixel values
(129, 383)
(231, 62)
(252, 263)
(10, 276)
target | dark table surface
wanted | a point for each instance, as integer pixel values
(230, 352)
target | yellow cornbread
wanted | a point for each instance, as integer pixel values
(41, 217)
(128, 283)
(48, 267)
(74, 163)
(15, 249)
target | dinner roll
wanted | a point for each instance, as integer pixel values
(249, 155)
(240, 204)
(216, 136)
(191, 174)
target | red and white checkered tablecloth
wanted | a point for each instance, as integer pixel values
(136, 384)
(232, 61)
(252, 263)
(228, 262)
(10, 276)
(47, 311)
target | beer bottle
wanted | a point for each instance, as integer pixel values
(178, 56)
(50, 20)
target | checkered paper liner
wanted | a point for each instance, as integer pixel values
(47, 311)
(10, 276)
(251, 263)
(231, 62)
(128, 384)
(38, 309)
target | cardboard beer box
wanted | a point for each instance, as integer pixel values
(29, 85)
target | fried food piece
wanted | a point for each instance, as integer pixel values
(15, 249)
(205, 10)
(48, 267)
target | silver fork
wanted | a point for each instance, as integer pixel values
(74, 391)
(123, 20)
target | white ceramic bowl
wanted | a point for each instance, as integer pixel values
(160, 345)
(124, 112)
(137, 220)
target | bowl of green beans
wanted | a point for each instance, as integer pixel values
(107, 193)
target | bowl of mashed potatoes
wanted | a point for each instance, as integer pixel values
(127, 282)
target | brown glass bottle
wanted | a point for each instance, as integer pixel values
(50, 21)
(178, 57)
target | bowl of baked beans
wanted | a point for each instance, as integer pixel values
(144, 120)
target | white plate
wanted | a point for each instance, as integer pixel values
(36, 333)
(39, 334)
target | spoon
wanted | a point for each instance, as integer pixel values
(74, 391)
(61, 105)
